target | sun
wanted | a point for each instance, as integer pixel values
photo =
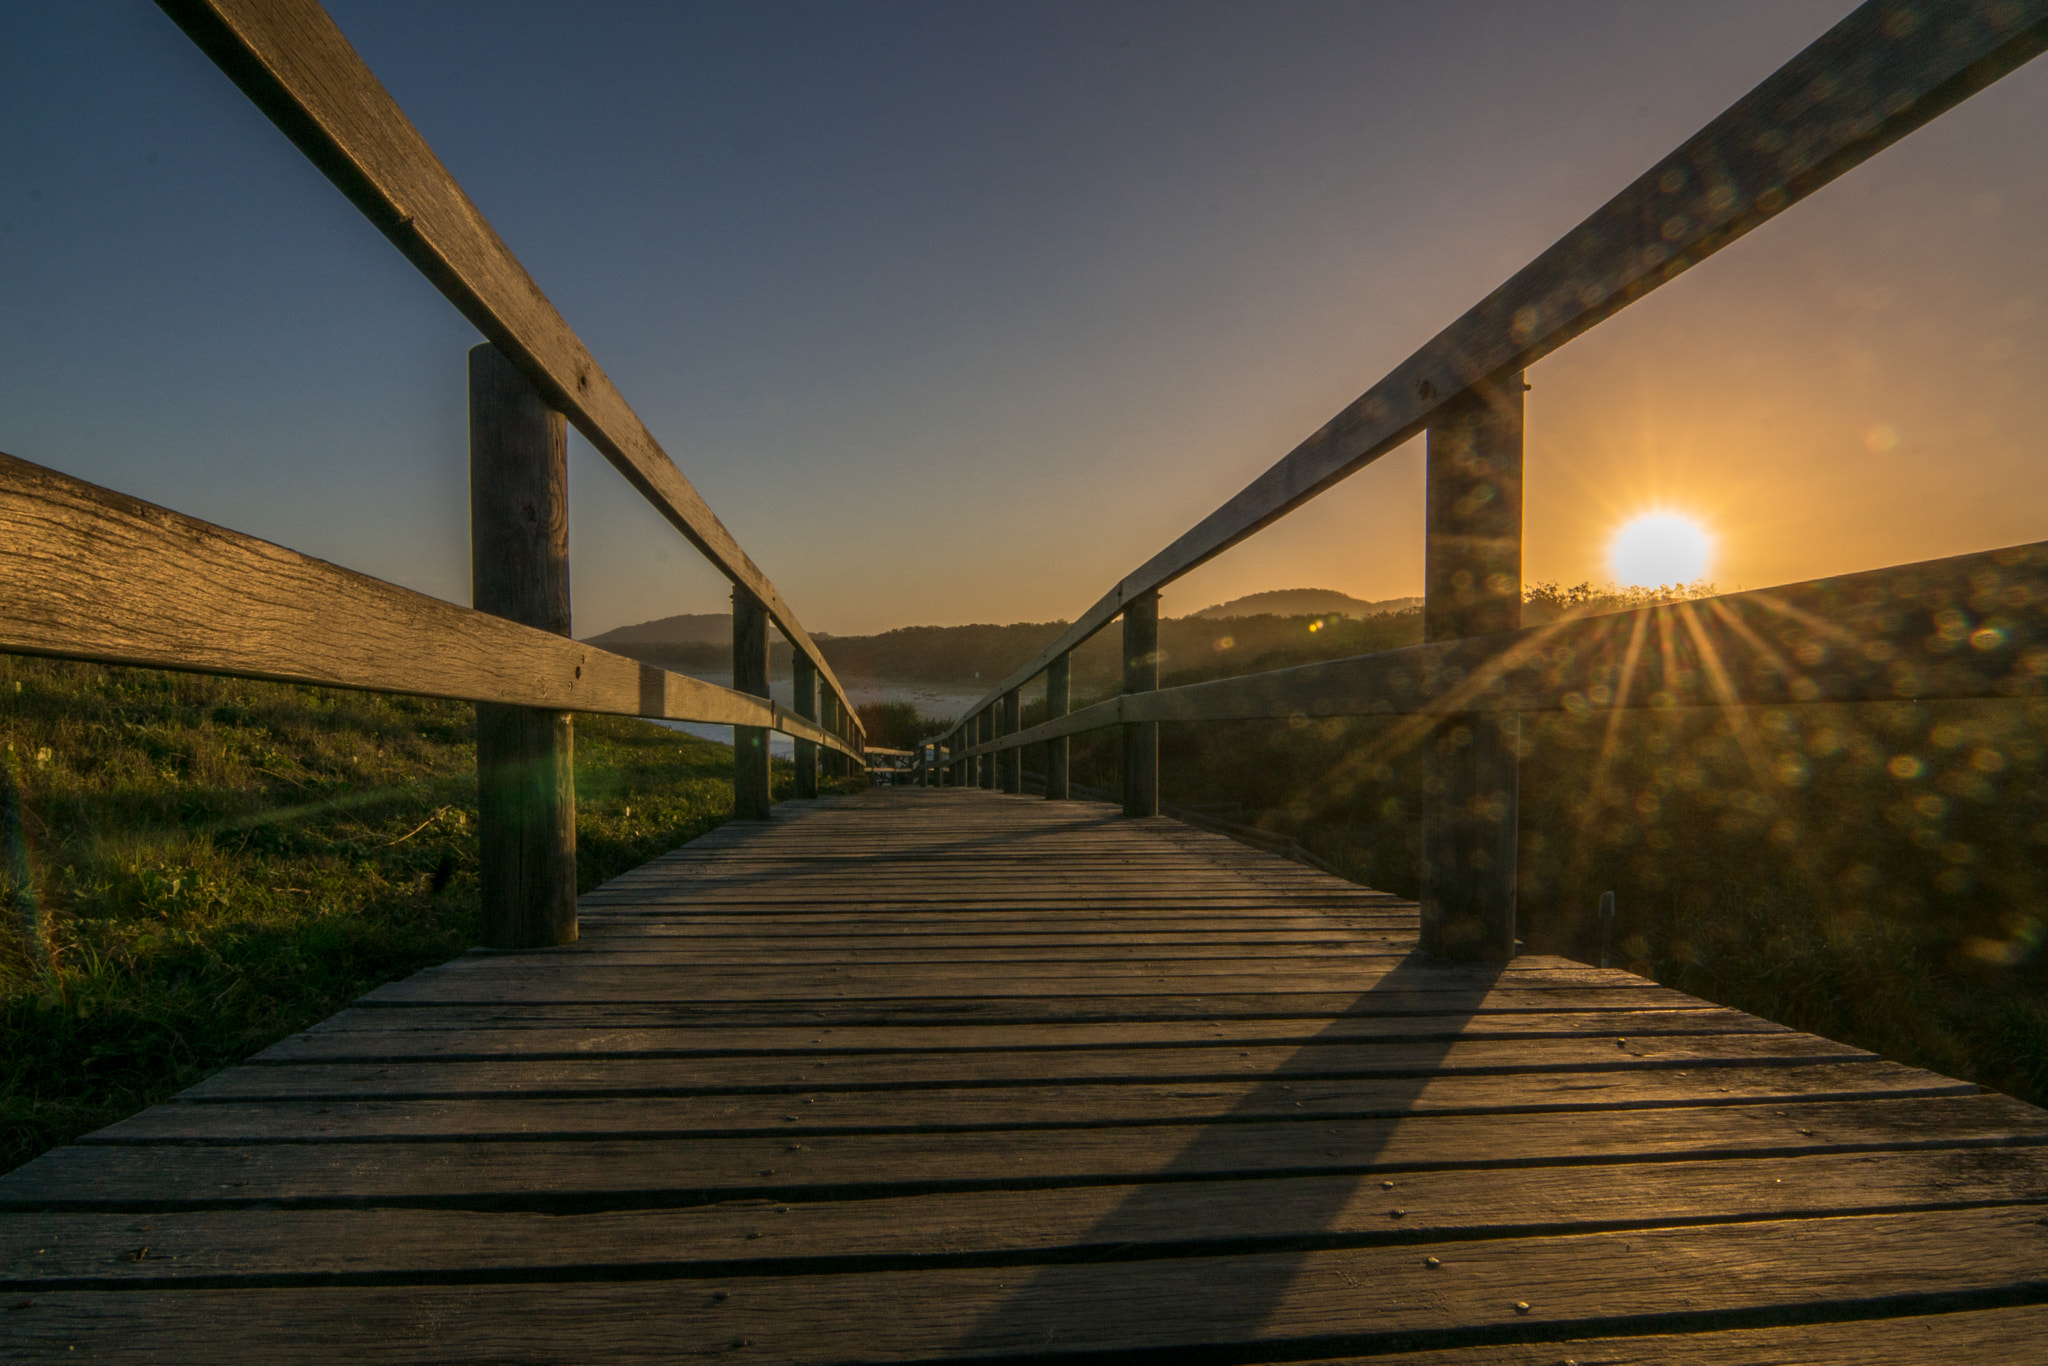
(1657, 548)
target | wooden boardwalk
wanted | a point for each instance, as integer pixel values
(940, 1075)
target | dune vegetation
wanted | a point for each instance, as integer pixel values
(193, 867)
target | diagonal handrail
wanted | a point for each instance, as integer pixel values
(290, 58)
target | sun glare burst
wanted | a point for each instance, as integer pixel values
(1659, 548)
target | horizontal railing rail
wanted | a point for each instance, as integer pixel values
(96, 575)
(290, 58)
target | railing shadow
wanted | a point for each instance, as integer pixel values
(1169, 1212)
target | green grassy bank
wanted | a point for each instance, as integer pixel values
(194, 867)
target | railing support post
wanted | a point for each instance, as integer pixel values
(806, 704)
(1472, 586)
(985, 731)
(751, 800)
(1012, 759)
(1059, 700)
(1141, 674)
(519, 567)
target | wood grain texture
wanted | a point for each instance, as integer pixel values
(1291, 1303)
(752, 784)
(93, 574)
(1880, 73)
(804, 698)
(1092, 1223)
(1058, 1127)
(294, 63)
(371, 1035)
(534, 1104)
(519, 570)
(1583, 1060)
(568, 1174)
(1140, 739)
(1059, 700)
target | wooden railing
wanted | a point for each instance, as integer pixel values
(1972, 626)
(87, 573)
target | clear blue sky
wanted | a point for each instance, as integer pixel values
(958, 312)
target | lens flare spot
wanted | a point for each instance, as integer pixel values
(1880, 437)
(1660, 548)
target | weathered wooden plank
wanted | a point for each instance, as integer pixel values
(622, 1012)
(1085, 962)
(1189, 1063)
(1397, 971)
(1141, 957)
(684, 902)
(567, 983)
(614, 937)
(543, 1107)
(1354, 1299)
(616, 1174)
(293, 62)
(913, 925)
(1861, 86)
(366, 1034)
(93, 574)
(1913, 1339)
(1084, 1223)
(1362, 971)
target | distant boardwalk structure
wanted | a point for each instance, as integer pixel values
(947, 1073)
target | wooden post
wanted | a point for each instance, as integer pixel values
(519, 570)
(985, 729)
(1013, 759)
(751, 800)
(1059, 700)
(828, 709)
(1472, 586)
(807, 707)
(841, 765)
(1141, 674)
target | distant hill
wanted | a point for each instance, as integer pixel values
(1303, 602)
(1290, 626)
(692, 628)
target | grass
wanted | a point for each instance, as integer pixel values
(192, 868)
